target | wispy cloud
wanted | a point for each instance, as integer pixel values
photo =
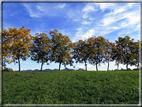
(33, 12)
(76, 20)
(83, 35)
(104, 6)
(24, 62)
(89, 8)
(121, 12)
(91, 18)
(85, 22)
(78, 35)
(40, 9)
(125, 17)
(89, 33)
(61, 5)
(129, 30)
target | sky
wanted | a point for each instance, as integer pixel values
(76, 20)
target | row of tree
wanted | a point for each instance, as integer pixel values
(20, 44)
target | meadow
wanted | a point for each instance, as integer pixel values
(70, 87)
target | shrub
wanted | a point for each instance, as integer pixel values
(7, 69)
(122, 69)
(128, 69)
(136, 69)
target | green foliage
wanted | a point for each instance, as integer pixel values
(16, 43)
(71, 87)
(127, 51)
(41, 49)
(97, 50)
(61, 47)
(135, 51)
(7, 69)
(6, 47)
(81, 52)
(108, 54)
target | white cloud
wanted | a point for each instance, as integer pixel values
(89, 8)
(85, 15)
(78, 35)
(85, 22)
(105, 30)
(83, 35)
(108, 20)
(46, 9)
(104, 6)
(131, 18)
(121, 12)
(129, 30)
(79, 32)
(31, 12)
(120, 9)
(39, 7)
(89, 33)
(76, 20)
(61, 6)
(121, 16)
(25, 62)
(91, 18)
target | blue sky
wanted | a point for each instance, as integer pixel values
(76, 20)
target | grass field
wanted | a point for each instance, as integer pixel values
(71, 87)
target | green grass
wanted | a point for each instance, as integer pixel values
(71, 87)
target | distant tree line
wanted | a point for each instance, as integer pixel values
(19, 44)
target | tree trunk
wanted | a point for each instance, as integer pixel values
(19, 63)
(65, 66)
(41, 66)
(137, 66)
(85, 66)
(118, 66)
(96, 67)
(59, 66)
(126, 66)
(108, 66)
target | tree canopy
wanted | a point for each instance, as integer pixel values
(61, 47)
(41, 49)
(81, 52)
(17, 43)
(97, 50)
(20, 44)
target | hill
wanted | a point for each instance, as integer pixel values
(66, 69)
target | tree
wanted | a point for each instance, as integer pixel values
(117, 54)
(6, 48)
(109, 52)
(125, 45)
(20, 40)
(81, 52)
(61, 47)
(134, 48)
(97, 50)
(41, 49)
